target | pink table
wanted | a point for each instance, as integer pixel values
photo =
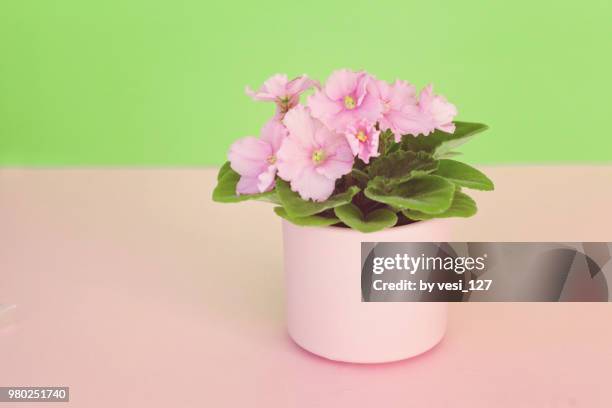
(135, 290)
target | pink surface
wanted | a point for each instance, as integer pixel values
(136, 291)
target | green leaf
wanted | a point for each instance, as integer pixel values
(449, 155)
(308, 221)
(386, 142)
(361, 177)
(377, 220)
(462, 206)
(439, 143)
(429, 194)
(224, 169)
(297, 207)
(225, 191)
(463, 175)
(394, 147)
(400, 166)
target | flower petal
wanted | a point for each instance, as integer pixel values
(426, 96)
(383, 89)
(259, 95)
(248, 156)
(322, 107)
(448, 128)
(364, 149)
(301, 125)
(434, 112)
(324, 137)
(274, 132)
(336, 166)
(292, 157)
(411, 120)
(265, 181)
(276, 85)
(353, 142)
(300, 84)
(341, 83)
(247, 185)
(342, 120)
(402, 94)
(364, 83)
(370, 108)
(312, 185)
(442, 112)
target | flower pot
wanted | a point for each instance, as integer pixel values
(325, 314)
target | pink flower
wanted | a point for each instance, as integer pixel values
(399, 102)
(363, 139)
(255, 159)
(285, 93)
(312, 157)
(347, 98)
(434, 112)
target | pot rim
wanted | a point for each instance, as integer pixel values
(351, 231)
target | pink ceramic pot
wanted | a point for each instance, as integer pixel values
(324, 310)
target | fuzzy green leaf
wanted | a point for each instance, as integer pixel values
(429, 194)
(225, 191)
(224, 169)
(361, 177)
(463, 175)
(462, 206)
(297, 207)
(439, 143)
(449, 155)
(386, 141)
(400, 166)
(308, 221)
(377, 220)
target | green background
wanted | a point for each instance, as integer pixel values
(149, 82)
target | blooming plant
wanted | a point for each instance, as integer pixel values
(361, 153)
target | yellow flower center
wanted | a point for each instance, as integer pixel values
(271, 159)
(318, 156)
(349, 102)
(361, 136)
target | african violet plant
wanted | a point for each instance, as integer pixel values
(363, 153)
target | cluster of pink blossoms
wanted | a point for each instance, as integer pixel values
(312, 146)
